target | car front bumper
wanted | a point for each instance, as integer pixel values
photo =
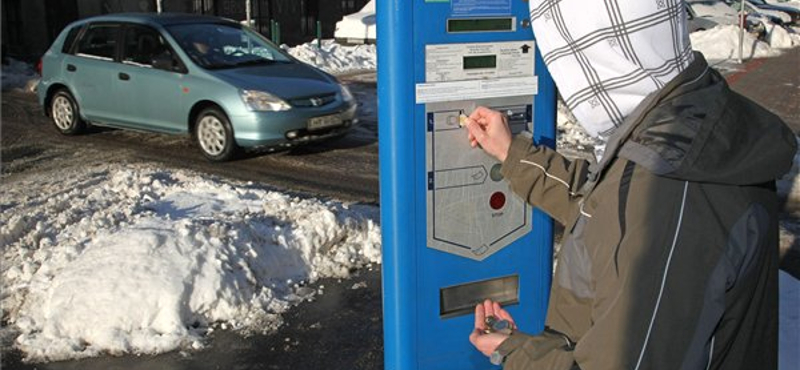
(265, 129)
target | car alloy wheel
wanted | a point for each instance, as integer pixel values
(214, 135)
(64, 113)
(211, 135)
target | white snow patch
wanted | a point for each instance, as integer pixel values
(335, 58)
(142, 260)
(722, 42)
(780, 38)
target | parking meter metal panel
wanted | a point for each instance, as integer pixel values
(471, 211)
(453, 232)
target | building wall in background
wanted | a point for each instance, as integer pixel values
(24, 41)
(296, 20)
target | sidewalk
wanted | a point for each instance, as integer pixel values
(775, 84)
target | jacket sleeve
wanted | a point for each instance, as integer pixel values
(547, 350)
(544, 178)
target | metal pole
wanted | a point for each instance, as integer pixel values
(272, 30)
(248, 8)
(278, 33)
(319, 35)
(396, 94)
(159, 5)
(741, 30)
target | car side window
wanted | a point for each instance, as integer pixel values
(69, 41)
(143, 45)
(99, 41)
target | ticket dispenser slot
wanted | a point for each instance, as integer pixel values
(461, 299)
(453, 232)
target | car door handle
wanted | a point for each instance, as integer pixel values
(124, 76)
(71, 68)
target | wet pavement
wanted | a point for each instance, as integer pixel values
(774, 83)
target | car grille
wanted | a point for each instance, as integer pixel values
(313, 101)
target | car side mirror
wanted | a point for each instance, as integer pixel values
(164, 61)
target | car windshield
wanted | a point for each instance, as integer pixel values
(217, 46)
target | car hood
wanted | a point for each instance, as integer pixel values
(287, 81)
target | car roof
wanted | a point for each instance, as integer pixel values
(162, 19)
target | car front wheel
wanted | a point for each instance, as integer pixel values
(214, 135)
(65, 113)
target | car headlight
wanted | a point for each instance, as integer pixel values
(346, 94)
(264, 101)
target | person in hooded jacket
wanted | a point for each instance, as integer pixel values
(670, 252)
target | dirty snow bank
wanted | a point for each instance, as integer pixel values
(143, 260)
(18, 75)
(722, 42)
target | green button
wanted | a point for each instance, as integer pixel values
(495, 173)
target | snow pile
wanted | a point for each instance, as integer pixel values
(571, 139)
(780, 38)
(335, 58)
(140, 260)
(787, 3)
(18, 75)
(722, 42)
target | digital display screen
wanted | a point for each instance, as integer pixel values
(480, 25)
(480, 62)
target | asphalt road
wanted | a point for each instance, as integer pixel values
(346, 168)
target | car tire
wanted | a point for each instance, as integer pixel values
(65, 113)
(214, 135)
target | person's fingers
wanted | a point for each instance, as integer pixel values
(480, 317)
(476, 131)
(480, 112)
(473, 337)
(470, 136)
(497, 309)
(503, 314)
(488, 307)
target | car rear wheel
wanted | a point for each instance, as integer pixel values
(214, 135)
(65, 113)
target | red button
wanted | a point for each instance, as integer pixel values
(497, 201)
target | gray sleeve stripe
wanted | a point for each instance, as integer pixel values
(563, 182)
(711, 352)
(666, 273)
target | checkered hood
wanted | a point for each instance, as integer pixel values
(606, 56)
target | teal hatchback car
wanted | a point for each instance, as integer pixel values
(221, 82)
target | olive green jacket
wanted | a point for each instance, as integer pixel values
(669, 259)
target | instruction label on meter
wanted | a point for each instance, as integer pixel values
(455, 72)
(475, 61)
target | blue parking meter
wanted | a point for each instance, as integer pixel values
(453, 232)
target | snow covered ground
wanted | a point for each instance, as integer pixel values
(132, 258)
(121, 258)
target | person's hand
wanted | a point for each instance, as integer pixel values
(489, 129)
(488, 343)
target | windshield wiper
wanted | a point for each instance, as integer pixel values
(255, 62)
